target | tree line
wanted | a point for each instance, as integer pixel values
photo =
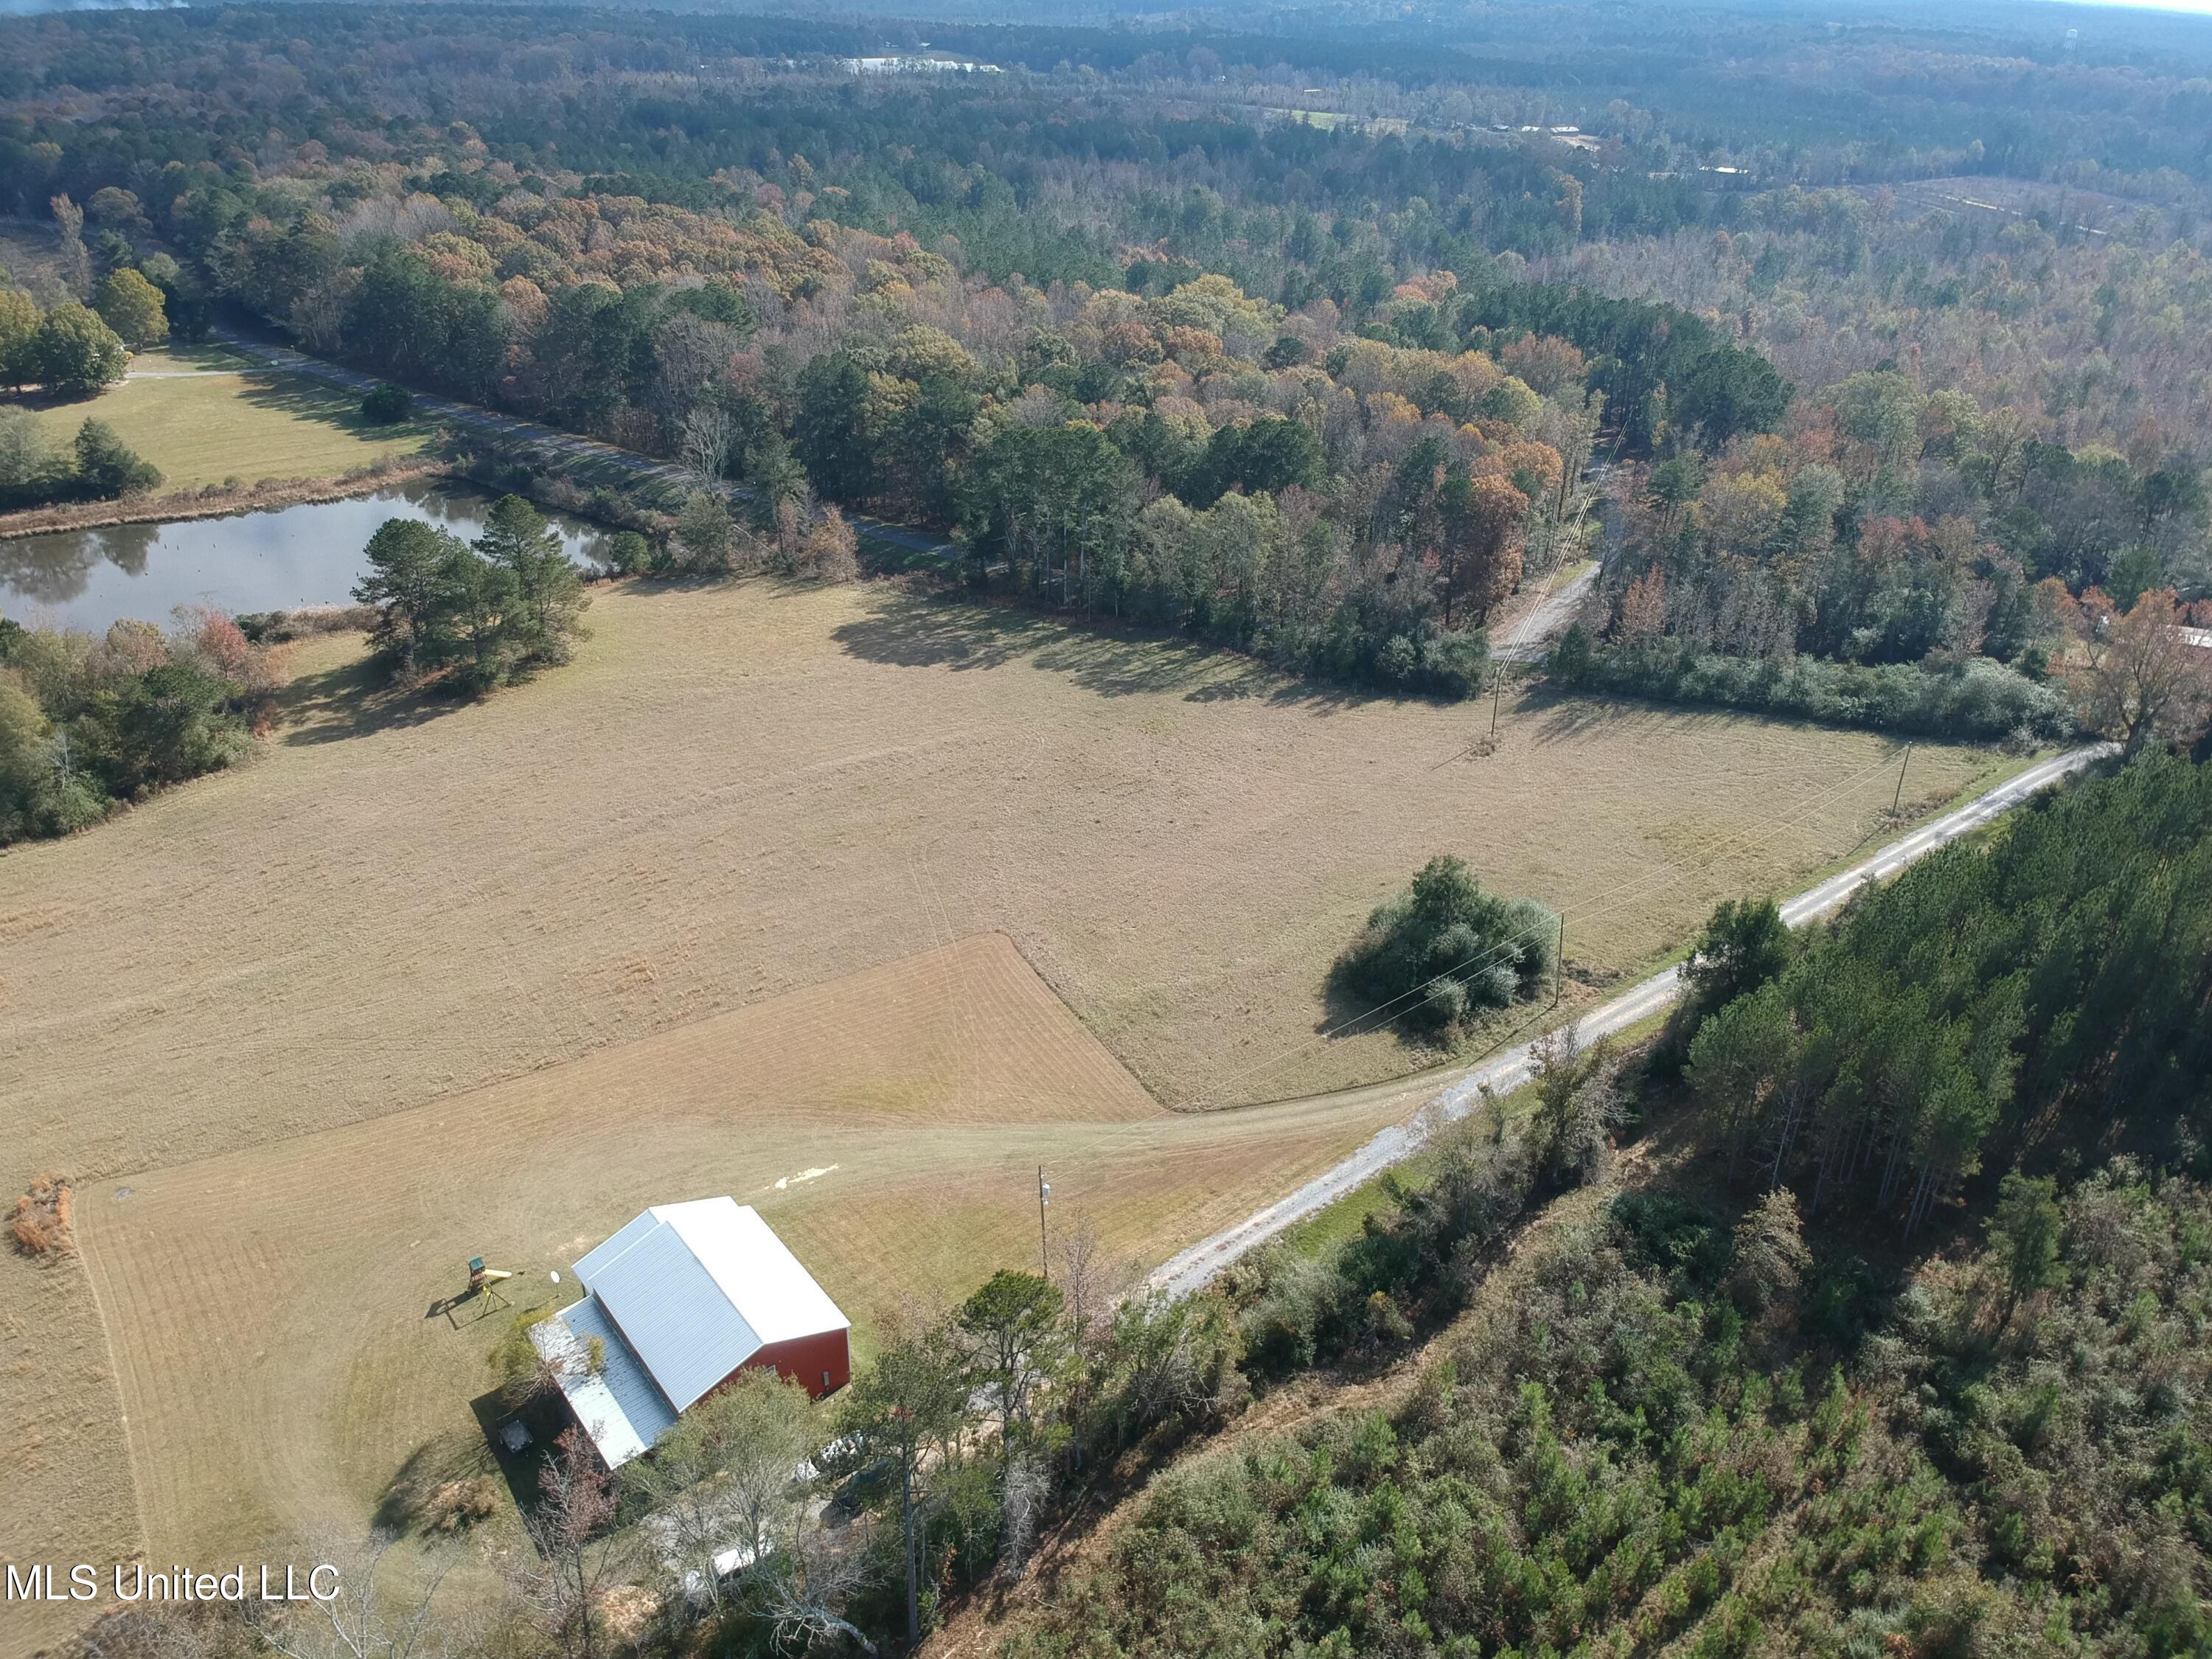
(71, 349)
(1343, 472)
(1907, 559)
(87, 724)
(2052, 986)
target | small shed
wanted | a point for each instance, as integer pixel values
(676, 1305)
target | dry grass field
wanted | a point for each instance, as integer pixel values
(734, 794)
(271, 1307)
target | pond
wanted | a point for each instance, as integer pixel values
(276, 560)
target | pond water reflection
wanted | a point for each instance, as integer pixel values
(276, 560)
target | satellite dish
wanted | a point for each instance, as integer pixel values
(556, 1275)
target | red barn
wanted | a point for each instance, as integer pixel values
(681, 1300)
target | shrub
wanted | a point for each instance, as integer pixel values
(387, 405)
(628, 553)
(706, 535)
(460, 1505)
(1413, 1262)
(1444, 952)
(524, 1374)
(1981, 699)
(41, 1222)
(281, 627)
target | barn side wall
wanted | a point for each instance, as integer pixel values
(806, 1360)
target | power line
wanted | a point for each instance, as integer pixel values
(1430, 988)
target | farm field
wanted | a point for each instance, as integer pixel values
(735, 795)
(203, 414)
(739, 791)
(887, 1123)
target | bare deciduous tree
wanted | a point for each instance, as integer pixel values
(379, 1611)
(703, 443)
(830, 552)
(2142, 677)
(1026, 1487)
(813, 1578)
(578, 1560)
(69, 250)
(159, 1632)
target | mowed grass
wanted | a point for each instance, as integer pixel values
(203, 415)
(277, 1311)
(738, 793)
(735, 792)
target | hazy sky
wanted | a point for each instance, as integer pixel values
(2201, 7)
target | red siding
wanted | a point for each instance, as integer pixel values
(822, 1364)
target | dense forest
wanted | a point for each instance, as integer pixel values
(1707, 1418)
(1305, 343)
(1677, 1434)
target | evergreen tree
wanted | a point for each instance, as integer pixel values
(407, 559)
(107, 467)
(549, 590)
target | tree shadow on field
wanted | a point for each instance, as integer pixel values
(1345, 1013)
(906, 628)
(305, 398)
(545, 1418)
(913, 630)
(1571, 716)
(352, 700)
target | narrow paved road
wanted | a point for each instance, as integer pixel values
(1192, 1267)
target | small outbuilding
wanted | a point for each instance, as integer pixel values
(676, 1305)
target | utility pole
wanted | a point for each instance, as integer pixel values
(1559, 960)
(1497, 691)
(1901, 765)
(1044, 1249)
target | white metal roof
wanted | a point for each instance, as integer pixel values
(699, 1288)
(619, 1404)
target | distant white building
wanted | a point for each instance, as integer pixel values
(920, 66)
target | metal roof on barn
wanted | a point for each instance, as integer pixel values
(699, 1288)
(679, 1298)
(618, 1405)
